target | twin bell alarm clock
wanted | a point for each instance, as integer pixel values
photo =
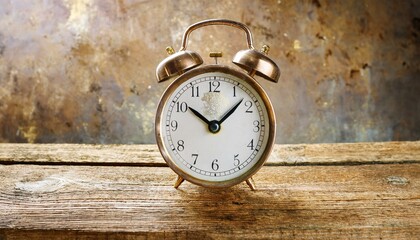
(215, 125)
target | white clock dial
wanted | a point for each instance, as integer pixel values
(214, 127)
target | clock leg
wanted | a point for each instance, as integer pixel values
(178, 181)
(250, 183)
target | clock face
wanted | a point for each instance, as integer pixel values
(215, 126)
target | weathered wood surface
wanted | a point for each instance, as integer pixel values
(320, 198)
(148, 155)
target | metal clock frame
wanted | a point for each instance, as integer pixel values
(271, 121)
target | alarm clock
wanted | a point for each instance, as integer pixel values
(215, 125)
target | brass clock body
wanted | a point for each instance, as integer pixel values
(215, 125)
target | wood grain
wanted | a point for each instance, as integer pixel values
(319, 191)
(367, 200)
(148, 155)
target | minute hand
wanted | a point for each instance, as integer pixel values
(230, 112)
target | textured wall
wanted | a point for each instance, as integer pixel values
(83, 70)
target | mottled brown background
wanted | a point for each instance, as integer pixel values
(83, 70)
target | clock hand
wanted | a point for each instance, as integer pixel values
(230, 112)
(196, 113)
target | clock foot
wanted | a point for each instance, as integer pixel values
(250, 183)
(178, 181)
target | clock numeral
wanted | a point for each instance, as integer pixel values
(181, 107)
(180, 146)
(251, 144)
(249, 105)
(213, 86)
(195, 91)
(174, 125)
(214, 165)
(195, 157)
(234, 91)
(256, 126)
(236, 160)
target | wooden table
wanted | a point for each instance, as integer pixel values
(317, 191)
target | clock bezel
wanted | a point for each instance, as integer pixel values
(227, 70)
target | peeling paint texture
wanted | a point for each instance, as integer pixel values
(82, 71)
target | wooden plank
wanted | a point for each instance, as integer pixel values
(142, 155)
(148, 155)
(364, 201)
(321, 234)
(346, 153)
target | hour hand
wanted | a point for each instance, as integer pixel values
(196, 113)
